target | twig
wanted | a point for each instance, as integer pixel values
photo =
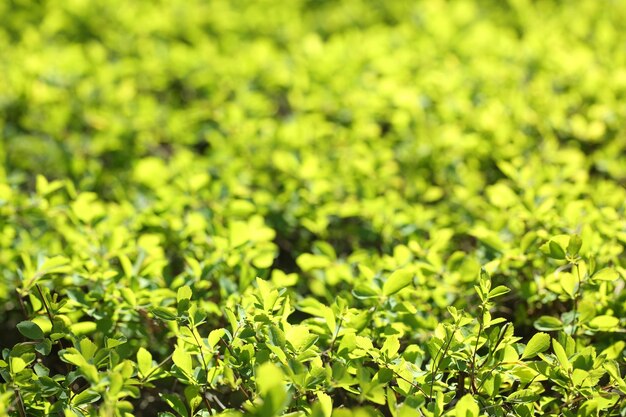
(413, 384)
(575, 301)
(159, 365)
(332, 342)
(45, 305)
(19, 298)
(20, 403)
(445, 350)
(480, 330)
(242, 389)
(206, 369)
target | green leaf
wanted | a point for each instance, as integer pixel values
(88, 396)
(574, 245)
(44, 347)
(391, 346)
(268, 293)
(182, 359)
(87, 369)
(466, 407)
(30, 330)
(604, 322)
(556, 251)
(326, 403)
(17, 364)
(183, 293)
(74, 358)
(498, 291)
(55, 265)
(548, 323)
(144, 361)
(193, 396)
(129, 296)
(87, 348)
(176, 403)
(268, 376)
(561, 355)
(83, 327)
(537, 344)
(164, 313)
(606, 274)
(215, 336)
(111, 342)
(396, 281)
(569, 283)
(523, 396)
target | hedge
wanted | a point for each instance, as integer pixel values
(312, 208)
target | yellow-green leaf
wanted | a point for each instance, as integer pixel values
(466, 407)
(537, 344)
(144, 361)
(604, 322)
(30, 330)
(396, 281)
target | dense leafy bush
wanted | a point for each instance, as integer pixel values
(312, 208)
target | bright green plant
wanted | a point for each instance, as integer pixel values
(312, 208)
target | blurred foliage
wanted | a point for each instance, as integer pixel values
(312, 207)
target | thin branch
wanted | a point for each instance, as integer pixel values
(242, 389)
(473, 364)
(20, 403)
(445, 350)
(159, 365)
(45, 304)
(23, 307)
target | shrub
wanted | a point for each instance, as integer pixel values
(312, 208)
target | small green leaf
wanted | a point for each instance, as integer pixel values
(391, 346)
(573, 247)
(326, 403)
(215, 336)
(604, 322)
(30, 330)
(144, 361)
(268, 293)
(548, 324)
(523, 396)
(129, 296)
(606, 274)
(86, 397)
(114, 342)
(397, 281)
(498, 291)
(561, 356)
(176, 404)
(182, 359)
(164, 313)
(55, 265)
(268, 376)
(87, 348)
(556, 251)
(537, 344)
(569, 283)
(74, 358)
(17, 364)
(83, 327)
(467, 407)
(484, 280)
(44, 347)
(184, 293)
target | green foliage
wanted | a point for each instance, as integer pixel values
(312, 208)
